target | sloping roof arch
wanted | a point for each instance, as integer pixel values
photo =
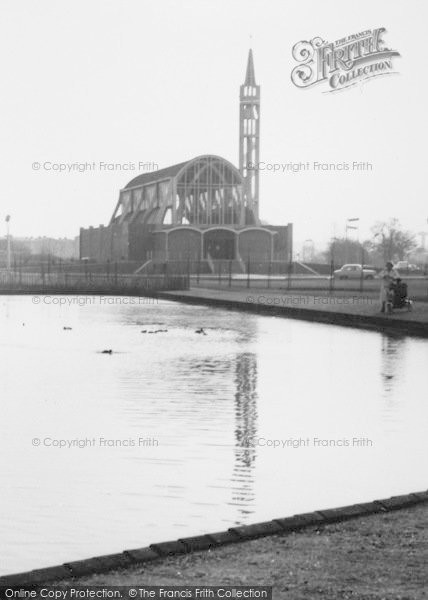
(175, 171)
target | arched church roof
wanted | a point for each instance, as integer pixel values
(154, 176)
(174, 170)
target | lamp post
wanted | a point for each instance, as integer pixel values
(347, 227)
(8, 258)
(353, 220)
(308, 250)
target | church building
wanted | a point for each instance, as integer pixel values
(204, 209)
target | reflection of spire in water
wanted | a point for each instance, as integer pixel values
(391, 365)
(392, 359)
(245, 432)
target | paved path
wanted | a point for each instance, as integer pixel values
(341, 308)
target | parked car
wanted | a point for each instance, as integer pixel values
(372, 268)
(354, 272)
(402, 264)
(406, 268)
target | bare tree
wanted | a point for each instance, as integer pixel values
(391, 241)
(342, 250)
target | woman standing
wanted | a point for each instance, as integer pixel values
(387, 276)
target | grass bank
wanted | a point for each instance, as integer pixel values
(382, 556)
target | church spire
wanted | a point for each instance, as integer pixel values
(249, 143)
(250, 78)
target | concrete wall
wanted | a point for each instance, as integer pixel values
(283, 242)
(119, 241)
(184, 244)
(105, 243)
(220, 244)
(255, 244)
(159, 246)
(141, 242)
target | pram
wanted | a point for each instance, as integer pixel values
(397, 296)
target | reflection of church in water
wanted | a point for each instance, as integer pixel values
(245, 432)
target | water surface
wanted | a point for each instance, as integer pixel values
(190, 417)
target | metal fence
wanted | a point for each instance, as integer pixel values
(180, 275)
(296, 277)
(70, 282)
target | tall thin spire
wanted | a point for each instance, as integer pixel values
(250, 78)
(249, 143)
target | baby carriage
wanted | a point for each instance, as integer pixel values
(397, 297)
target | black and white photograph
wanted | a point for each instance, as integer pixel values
(213, 300)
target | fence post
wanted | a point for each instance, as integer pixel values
(115, 273)
(198, 272)
(269, 273)
(230, 273)
(290, 266)
(248, 272)
(332, 275)
(362, 270)
(426, 273)
(165, 274)
(219, 272)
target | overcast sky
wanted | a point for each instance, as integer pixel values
(129, 81)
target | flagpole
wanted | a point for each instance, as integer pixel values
(8, 261)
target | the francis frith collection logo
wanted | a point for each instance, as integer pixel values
(343, 63)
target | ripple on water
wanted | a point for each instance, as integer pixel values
(202, 398)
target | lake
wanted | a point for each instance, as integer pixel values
(177, 433)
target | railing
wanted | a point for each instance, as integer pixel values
(284, 275)
(180, 275)
(98, 283)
